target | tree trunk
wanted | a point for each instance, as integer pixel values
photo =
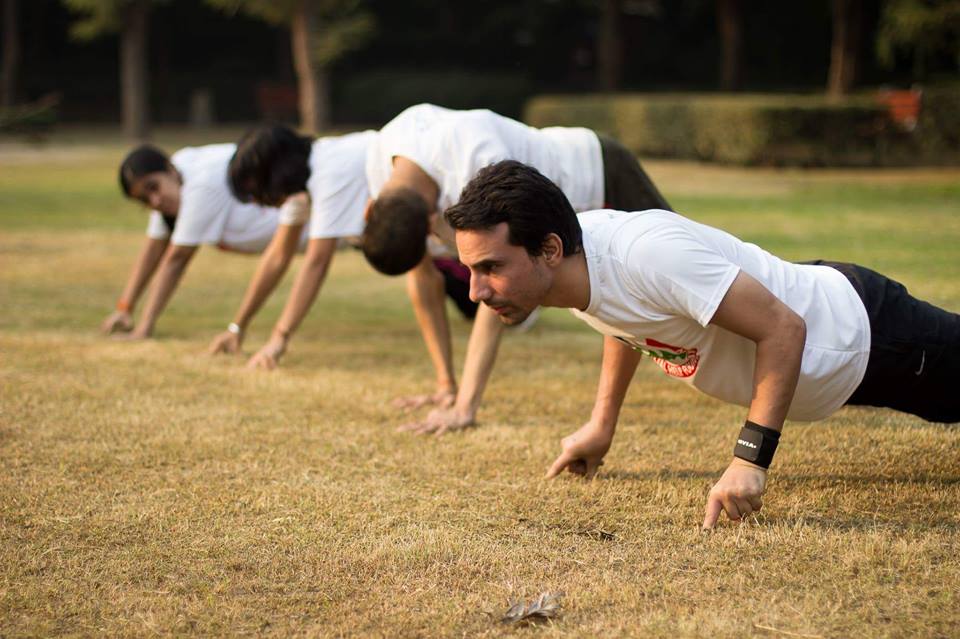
(845, 48)
(609, 47)
(311, 78)
(730, 25)
(11, 53)
(133, 70)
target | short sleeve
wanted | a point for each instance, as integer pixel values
(156, 227)
(678, 274)
(295, 211)
(202, 217)
(338, 187)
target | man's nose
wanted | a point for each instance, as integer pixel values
(479, 291)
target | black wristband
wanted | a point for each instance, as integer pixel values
(756, 444)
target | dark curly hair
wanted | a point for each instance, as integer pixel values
(395, 235)
(530, 204)
(270, 164)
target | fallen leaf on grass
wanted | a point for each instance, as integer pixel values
(546, 606)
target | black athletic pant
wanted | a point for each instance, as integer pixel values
(914, 363)
(626, 186)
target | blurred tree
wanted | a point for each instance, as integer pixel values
(730, 28)
(922, 29)
(609, 46)
(11, 53)
(321, 31)
(132, 19)
(845, 47)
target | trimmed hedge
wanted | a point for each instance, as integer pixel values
(800, 130)
(940, 119)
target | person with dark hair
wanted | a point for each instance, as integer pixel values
(420, 162)
(785, 340)
(191, 205)
(274, 165)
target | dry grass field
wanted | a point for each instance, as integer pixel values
(147, 489)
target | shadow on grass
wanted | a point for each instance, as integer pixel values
(863, 524)
(647, 475)
(832, 478)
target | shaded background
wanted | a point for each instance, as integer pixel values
(347, 63)
(483, 53)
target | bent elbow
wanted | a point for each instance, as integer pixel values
(796, 328)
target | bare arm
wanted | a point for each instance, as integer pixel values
(426, 291)
(140, 275)
(270, 270)
(750, 310)
(171, 269)
(583, 451)
(305, 288)
(481, 355)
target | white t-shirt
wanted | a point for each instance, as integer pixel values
(452, 146)
(657, 278)
(209, 213)
(338, 186)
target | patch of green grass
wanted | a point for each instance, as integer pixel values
(149, 489)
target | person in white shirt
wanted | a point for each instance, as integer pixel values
(276, 166)
(192, 205)
(417, 167)
(785, 340)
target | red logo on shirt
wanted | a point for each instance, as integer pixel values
(674, 360)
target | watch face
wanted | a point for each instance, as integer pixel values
(748, 445)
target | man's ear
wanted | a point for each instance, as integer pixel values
(553, 249)
(367, 209)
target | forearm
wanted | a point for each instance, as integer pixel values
(616, 371)
(171, 271)
(143, 270)
(481, 355)
(271, 269)
(776, 373)
(306, 286)
(425, 288)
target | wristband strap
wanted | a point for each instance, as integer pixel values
(234, 328)
(756, 444)
(123, 306)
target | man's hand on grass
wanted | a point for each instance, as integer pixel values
(441, 420)
(583, 451)
(117, 322)
(737, 493)
(269, 354)
(226, 342)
